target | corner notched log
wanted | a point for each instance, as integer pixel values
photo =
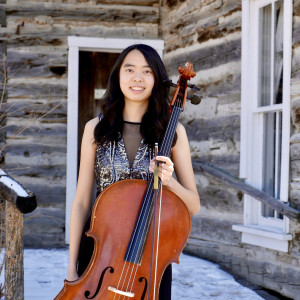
(236, 183)
(14, 192)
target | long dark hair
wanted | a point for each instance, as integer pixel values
(156, 118)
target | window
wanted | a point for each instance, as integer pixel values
(265, 117)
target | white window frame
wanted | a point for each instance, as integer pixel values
(256, 229)
(76, 44)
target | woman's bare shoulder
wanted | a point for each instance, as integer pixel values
(180, 130)
(91, 124)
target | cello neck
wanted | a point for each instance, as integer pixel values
(167, 141)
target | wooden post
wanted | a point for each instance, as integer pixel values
(18, 201)
(14, 254)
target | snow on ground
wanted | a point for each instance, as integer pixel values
(193, 278)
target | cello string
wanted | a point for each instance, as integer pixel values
(126, 258)
(134, 234)
(138, 220)
(168, 143)
(149, 191)
(137, 266)
(144, 203)
(125, 278)
(142, 240)
(176, 112)
(132, 271)
(118, 286)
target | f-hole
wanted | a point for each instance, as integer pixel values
(145, 287)
(87, 293)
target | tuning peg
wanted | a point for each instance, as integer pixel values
(195, 99)
(194, 87)
(168, 82)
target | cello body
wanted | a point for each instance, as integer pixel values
(113, 220)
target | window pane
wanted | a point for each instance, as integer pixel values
(269, 153)
(264, 55)
(272, 159)
(278, 52)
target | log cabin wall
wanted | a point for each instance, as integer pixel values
(37, 52)
(208, 33)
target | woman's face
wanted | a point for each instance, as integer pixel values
(136, 77)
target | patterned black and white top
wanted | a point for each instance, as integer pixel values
(112, 161)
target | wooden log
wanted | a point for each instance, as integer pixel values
(28, 149)
(54, 192)
(15, 193)
(84, 12)
(36, 110)
(24, 64)
(222, 128)
(45, 227)
(230, 180)
(207, 57)
(212, 20)
(14, 253)
(42, 90)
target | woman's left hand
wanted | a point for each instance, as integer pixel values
(165, 169)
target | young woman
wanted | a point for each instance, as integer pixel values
(119, 144)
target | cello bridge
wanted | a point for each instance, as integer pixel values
(127, 294)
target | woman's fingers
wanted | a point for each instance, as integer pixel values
(165, 169)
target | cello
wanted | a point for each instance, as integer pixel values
(123, 215)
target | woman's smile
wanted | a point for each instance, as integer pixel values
(137, 89)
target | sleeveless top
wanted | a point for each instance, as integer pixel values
(113, 163)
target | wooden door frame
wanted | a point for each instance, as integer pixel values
(76, 44)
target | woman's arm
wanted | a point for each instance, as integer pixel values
(185, 185)
(82, 202)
